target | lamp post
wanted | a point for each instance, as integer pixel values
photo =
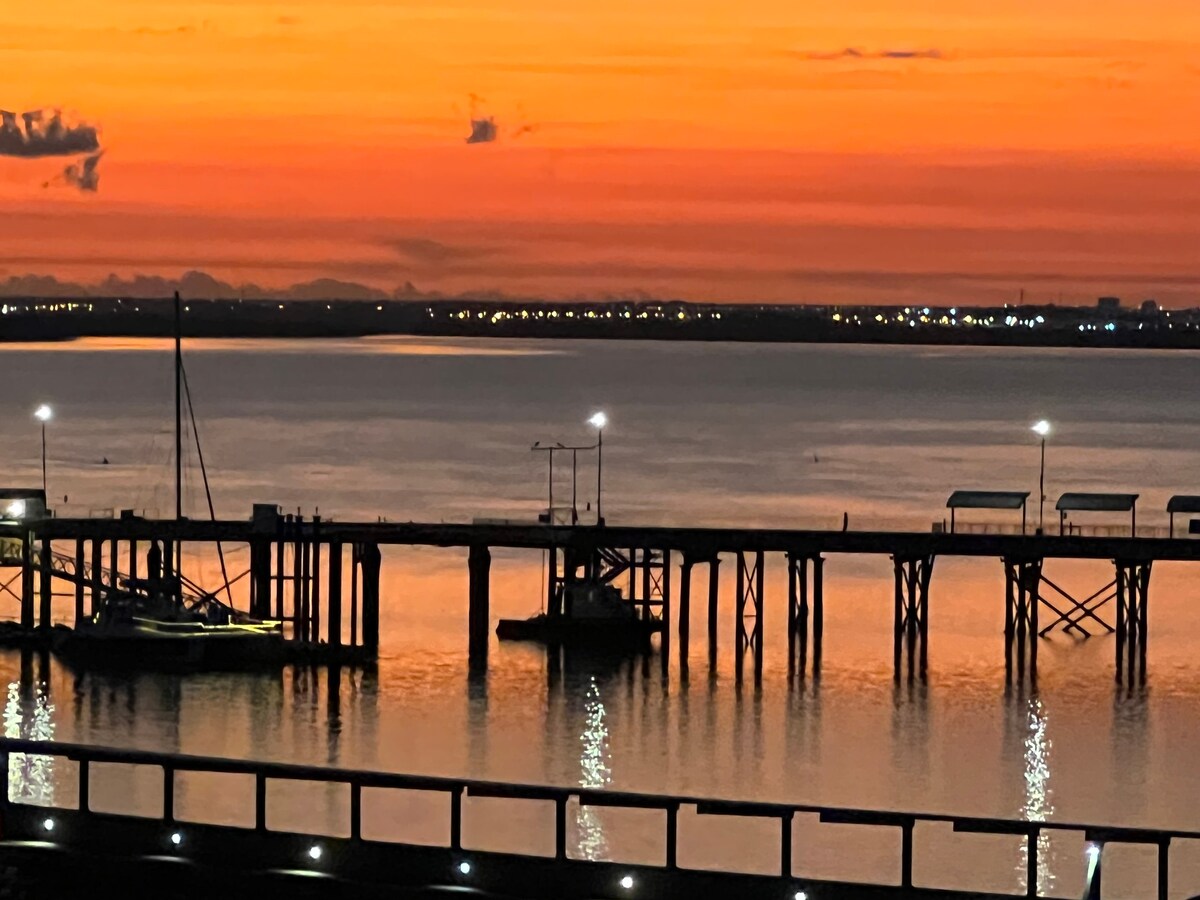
(1041, 428)
(43, 414)
(550, 449)
(598, 421)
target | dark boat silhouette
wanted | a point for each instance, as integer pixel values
(593, 614)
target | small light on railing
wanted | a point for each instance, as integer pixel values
(176, 838)
(464, 868)
(1093, 853)
(800, 895)
(48, 824)
(627, 882)
(314, 852)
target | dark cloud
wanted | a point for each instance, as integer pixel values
(44, 133)
(430, 252)
(483, 131)
(859, 53)
(83, 174)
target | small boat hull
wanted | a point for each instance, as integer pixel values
(582, 632)
(145, 644)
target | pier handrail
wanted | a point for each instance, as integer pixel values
(357, 779)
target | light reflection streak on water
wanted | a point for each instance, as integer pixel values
(1037, 807)
(594, 773)
(30, 778)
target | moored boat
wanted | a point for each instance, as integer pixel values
(592, 614)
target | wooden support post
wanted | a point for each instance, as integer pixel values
(1122, 605)
(280, 548)
(794, 567)
(260, 579)
(739, 630)
(371, 564)
(760, 570)
(479, 566)
(133, 560)
(113, 586)
(97, 575)
(818, 622)
(1009, 619)
(79, 581)
(300, 593)
(665, 635)
(685, 611)
(316, 580)
(355, 570)
(299, 620)
(714, 598)
(27, 581)
(46, 591)
(335, 595)
(553, 595)
(647, 587)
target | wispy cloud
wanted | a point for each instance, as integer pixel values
(858, 53)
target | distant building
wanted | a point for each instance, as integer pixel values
(1109, 304)
(1149, 307)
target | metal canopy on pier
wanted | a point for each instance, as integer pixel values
(1182, 503)
(987, 500)
(1084, 502)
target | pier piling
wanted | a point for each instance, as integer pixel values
(479, 566)
(685, 611)
(749, 622)
(335, 595)
(714, 604)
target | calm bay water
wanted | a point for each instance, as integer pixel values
(700, 434)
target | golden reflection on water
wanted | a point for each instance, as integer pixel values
(1038, 792)
(30, 718)
(595, 772)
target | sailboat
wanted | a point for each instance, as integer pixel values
(165, 620)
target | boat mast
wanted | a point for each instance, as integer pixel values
(178, 411)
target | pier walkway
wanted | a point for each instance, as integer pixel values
(298, 573)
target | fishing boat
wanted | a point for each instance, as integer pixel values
(593, 614)
(165, 620)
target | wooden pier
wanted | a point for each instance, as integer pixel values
(163, 850)
(297, 568)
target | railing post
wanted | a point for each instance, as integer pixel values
(260, 802)
(1031, 863)
(355, 803)
(906, 854)
(785, 845)
(560, 827)
(456, 818)
(673, 836)
(169, 794)
(84, 785)
(1164, 867)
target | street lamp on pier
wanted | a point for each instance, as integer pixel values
(599, 421)
(1042, 428)
(43, 414)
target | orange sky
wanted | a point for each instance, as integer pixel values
(868, 149)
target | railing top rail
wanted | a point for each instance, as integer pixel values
(626, 799)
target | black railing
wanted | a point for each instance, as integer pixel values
(456, 788)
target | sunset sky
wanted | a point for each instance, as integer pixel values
(861, 150)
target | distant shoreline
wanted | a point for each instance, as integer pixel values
(27, 320)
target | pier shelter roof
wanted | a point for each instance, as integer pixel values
(1184, 503)
(987, 499)
(1080, 502)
